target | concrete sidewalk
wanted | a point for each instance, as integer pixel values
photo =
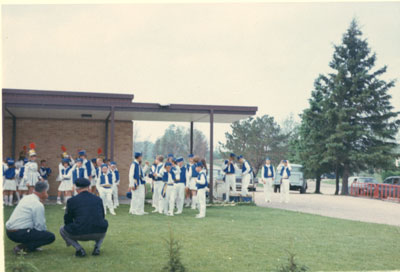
(328, 204)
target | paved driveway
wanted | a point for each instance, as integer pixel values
(327, 204)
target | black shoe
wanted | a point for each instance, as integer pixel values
(80, 253)
(18, 249)
(96, 251)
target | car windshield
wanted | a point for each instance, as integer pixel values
(296, 169)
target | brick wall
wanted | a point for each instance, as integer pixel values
(50, 134)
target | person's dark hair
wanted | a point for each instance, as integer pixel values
(42, 161)
(160, 158)
(203, 161)
(41, 187)
(196, 159)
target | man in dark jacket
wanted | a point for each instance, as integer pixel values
(84, 219)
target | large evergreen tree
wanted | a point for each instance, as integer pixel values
(360, 125)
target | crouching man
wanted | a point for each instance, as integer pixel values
(84, 219)
(27, 224)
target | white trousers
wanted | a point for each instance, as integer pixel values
(285, 187)
(169, 203)
(179, 196)
(158, 185)
(245, 184)
(106, 196)
(115, 195)
(201, 197)
(268, 188)
(230, 182)
(137, 201)
(161, 199)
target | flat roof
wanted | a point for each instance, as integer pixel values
(25, 103)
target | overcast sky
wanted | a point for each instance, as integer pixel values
(264, 54)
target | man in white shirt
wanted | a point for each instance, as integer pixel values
(27, 223)
(267, 178)
(284, 169)
(247, 171)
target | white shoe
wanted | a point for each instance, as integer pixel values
(155, 211)
(193, 208)
(200, 216)
(145, 213)
(59, 202)
(65, 207)
(113, 213)
(178, 212)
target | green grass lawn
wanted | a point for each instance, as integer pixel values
(241, 238)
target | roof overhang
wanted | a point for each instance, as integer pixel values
(98, 106)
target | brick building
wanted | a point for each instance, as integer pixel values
(89, 121)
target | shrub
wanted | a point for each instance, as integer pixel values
(174, 263)
(291, 265)
(21, 265)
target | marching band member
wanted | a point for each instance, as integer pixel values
(246, 175)
(96, 172)
(18, 165)
(44, 172)
(267, 178)
(21, 182)
(193, 174)
(229, 167)
(9, 182)
(187, 190)
(170, 158)
(89, 167)
(153, 169)
(180, 185)
(115, 173)
(65, 186)
(168, 190)
(136, 185)
(64, 155)
(284, 168)
(201, 185)
(31, 174)
(158, 184)
(78, 171)
(104, 186)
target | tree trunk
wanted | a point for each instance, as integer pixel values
(345, 179)
(337, 181)
(317, 184)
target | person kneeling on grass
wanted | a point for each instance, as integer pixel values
(27, 223)
(201, 185)
(84, 219)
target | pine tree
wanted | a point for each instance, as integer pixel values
(310, 145)
(358, 109)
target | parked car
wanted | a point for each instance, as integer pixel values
(328, 176)
(296, 180)
(395, 180)
(365, 180)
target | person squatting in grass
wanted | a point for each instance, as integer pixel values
(27, 223)
(84, 219)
